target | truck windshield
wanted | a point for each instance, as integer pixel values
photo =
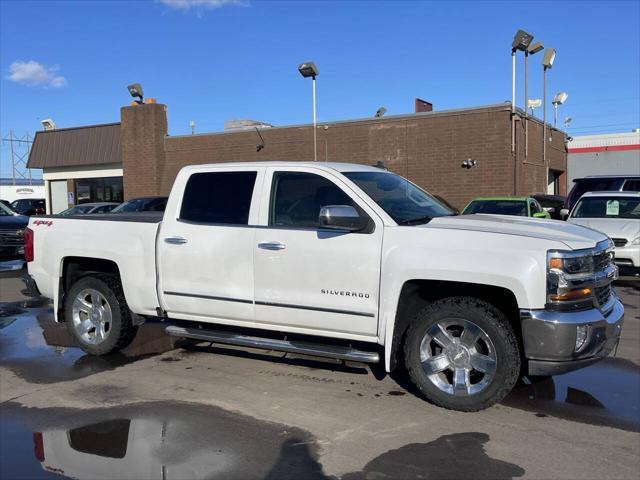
(406, 203)
(607, 207)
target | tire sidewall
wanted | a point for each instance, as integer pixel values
(499, 331)
(116, 316)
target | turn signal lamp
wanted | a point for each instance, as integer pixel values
(578, 294)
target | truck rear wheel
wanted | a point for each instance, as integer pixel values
(97, 315)
(462, 354)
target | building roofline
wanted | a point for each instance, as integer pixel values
(79, 128)
(453, 111)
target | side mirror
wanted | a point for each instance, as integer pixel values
(564, 213)
(342, 217)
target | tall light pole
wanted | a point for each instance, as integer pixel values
(521, 41)
(531, 50)
(309, 69)
(547, 63)
(559, 99)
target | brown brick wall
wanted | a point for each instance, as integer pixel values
(143, 129)
(426, 148)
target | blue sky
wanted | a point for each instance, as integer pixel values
(215, 60)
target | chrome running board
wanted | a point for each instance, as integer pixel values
(307, 348)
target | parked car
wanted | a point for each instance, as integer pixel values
(617, 214)
(142, 204)
(29, 206)
(598, 183)
(446, 204)
(552, 204)
(12, 226)
(86, 208)
(290, 256)
(519, 206)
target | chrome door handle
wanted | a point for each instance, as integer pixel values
(272, 246)
(175, 240)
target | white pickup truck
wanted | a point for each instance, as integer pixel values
(338, 260)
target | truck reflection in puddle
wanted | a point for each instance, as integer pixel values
(120, 448)
(156, 440)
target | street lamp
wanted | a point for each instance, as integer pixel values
(547, 62)
(534, 103)
(521, 41)
(531, 50)
(135, 90)
(559, 99)
(309, 69)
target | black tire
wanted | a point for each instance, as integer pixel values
(121, 331)
(496, 327)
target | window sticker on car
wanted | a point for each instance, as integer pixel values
(613, 207)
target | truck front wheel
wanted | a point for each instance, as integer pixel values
(97, 315)
(462, 354)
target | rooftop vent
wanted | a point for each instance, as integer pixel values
(240, 125)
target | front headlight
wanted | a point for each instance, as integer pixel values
(635, 241)
(569, 280)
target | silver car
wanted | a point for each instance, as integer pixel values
(616, 214)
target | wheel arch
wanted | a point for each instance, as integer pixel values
(415, 294)
(72, 269)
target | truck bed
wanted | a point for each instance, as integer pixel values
(128, 240)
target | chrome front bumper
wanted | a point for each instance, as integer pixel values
(549, 337)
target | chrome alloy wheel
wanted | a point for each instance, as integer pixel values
(458, 357)
(91, 316)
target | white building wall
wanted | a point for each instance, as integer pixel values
(607, 154)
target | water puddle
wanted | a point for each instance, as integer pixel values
(606, 393)
(40, 350)
(161, 441)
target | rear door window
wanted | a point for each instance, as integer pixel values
(218, 197)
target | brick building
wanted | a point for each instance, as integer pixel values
(428, 147)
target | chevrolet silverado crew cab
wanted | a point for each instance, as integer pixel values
(338, 260)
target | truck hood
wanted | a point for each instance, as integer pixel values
(613, 227)
(573, 236)
(9, 222)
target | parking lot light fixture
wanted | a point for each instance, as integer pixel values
(559, 99)
(135, 90)
(521, 41)
(309, 69)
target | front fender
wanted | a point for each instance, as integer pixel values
(514, 263)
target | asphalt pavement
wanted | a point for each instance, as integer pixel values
(169, 409)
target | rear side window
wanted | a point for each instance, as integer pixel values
(631, 186)
(218, 197)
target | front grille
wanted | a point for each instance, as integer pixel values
(603, 294)
(602, 260)
(11, 237)
(619, 242)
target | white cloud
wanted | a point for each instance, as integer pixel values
(34, 74)
(199, 6)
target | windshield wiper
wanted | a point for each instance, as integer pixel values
(412, 221)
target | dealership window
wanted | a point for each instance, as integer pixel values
(106, 189)
(218, 197)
